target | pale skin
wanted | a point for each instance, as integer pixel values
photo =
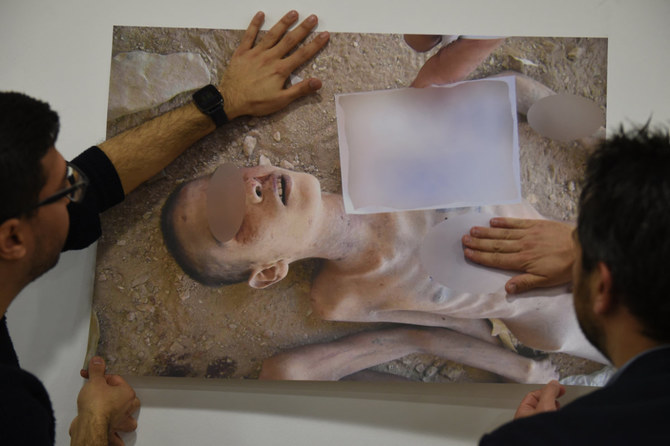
(452, 63)
(253, 84)
(380, 279)
(372, 271)
(346, 356)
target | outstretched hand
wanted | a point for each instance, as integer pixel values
(541, 400)
(104, 407)
(541, 249)
(253, 83)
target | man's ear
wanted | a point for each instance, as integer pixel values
(603, 301)
(263, 277)
(12, 239)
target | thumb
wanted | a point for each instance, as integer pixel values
(548, 395)
(96, 368)
(303, 88)
(524, 282)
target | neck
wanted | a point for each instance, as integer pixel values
(340, 237)
(10, 288)
(625, 339)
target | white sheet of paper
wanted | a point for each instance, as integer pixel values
(429, 148)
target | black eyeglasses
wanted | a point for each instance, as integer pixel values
(76, 190)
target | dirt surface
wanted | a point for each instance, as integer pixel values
(154, 320)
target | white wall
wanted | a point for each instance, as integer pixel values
(60, 52)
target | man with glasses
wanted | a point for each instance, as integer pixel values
(49, 205)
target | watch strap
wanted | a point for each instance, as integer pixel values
(219, 116)
(209, 101)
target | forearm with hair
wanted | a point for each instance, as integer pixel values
(89, 431)
(141, 152)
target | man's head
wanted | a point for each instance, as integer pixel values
(31, 170)
(623, 233)
(281, 213)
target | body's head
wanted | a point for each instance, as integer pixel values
(623, 235)
(33, 224)
(281, 214)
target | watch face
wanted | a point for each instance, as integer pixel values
(207, 98)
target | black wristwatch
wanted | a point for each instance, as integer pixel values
(210, 102)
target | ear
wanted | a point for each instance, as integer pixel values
(603, 301)
(264, 277)
(12, 239)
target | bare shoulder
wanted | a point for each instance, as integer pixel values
(336, 296)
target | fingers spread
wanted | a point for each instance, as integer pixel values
(252, 31)
(307, 51)
(291, 39)
(302, 88)
(276, 32)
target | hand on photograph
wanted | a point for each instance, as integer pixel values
(422, 42)
(541, 249)
(253, 83)
(541, 400)
(455, 61)
(104, 407)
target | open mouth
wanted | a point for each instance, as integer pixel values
(284, 188)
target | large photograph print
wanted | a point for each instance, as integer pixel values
(303, 290)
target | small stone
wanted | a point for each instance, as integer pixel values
(575, 53)
(432, 371)
(286, 165)
(571, 186)
(131, 316)
(232, 326)
(139, 280)
(276, 136)
(294, 79)
(249, 145)
(147, 215)
(146, 308)
(121, 243)
(355, 44)
(420, 368)
(264, 161)
(253, 122)
(184, 296)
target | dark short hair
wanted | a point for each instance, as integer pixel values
(624, 222)
(227, 274)
(28, 129)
